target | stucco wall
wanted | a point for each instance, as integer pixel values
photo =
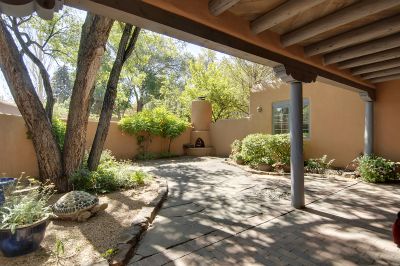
(8, 108)
(18, 155)
(387, 121)
(336, 115)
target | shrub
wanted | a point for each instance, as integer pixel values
(111, 175)
(376, 169)
(318, 165)
(254, 148)
(278, 147)
(236, 147)
(262, 148)
(59, 127)
(155, 122)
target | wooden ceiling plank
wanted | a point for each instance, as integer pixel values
(376, 67)
(387, 78)
(217, 7)
(337, 19)
(372, 58)
(382, 73)
(281, 13)
(373, 30)
(372, 47)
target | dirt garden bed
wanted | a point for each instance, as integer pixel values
(87, 243)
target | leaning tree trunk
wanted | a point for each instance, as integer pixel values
(124, 51)
(43, 71)
(94, 36)
(16, 74)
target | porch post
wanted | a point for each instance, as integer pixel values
(295, 77)
(368, 124)
(296, 144)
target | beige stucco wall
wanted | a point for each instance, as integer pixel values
(387, 121)
(8, 108)
(337, 122)
(18, 155)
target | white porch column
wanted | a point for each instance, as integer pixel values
(296, 144)
(295, 77)
(368, 124)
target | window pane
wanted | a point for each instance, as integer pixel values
(280, 118)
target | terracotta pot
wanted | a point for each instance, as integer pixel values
(264, 167)
(25, 239)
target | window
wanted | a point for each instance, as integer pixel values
(280, 118)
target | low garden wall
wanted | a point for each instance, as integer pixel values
(18, 155)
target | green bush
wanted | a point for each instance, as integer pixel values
(155, 122)
(318, 165)
(255, 148)
(111, 175)
(375, 169)
(278, 147)
(59, 127)
(263, 148)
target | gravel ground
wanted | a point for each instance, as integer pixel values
(85, 242)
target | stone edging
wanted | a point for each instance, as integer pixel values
(128, 241)
(254, 171)
(345, 175)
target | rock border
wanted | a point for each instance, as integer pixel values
(346, 175)
(129, 239)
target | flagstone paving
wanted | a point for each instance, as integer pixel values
(220, 214)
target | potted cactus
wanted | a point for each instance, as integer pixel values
(24, 218)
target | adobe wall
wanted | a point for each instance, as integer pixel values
(18, 155)
(387, 120)
(337, 122)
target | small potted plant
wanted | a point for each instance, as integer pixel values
(24, 218)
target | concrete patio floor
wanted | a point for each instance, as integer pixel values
(219, 214)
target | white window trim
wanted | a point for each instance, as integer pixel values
(286, 103)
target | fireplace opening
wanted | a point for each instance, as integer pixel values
(199, 143)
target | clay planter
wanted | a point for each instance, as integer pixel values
(4, 183)
(25, 239)
(264, 167)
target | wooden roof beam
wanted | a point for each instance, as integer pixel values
(376, 67)
(372, 58)
(281, 13)
(372, 47)
(337, 19)
(217, 7)
(366, 33)
(382, 73)
(387, 78)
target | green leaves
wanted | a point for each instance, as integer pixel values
(156, 122)
(375, 169)
(262, 148)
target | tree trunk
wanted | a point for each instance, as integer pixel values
(140, 105)
(16, 74)
(42, 69)
(94, 36)
(111, 93)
